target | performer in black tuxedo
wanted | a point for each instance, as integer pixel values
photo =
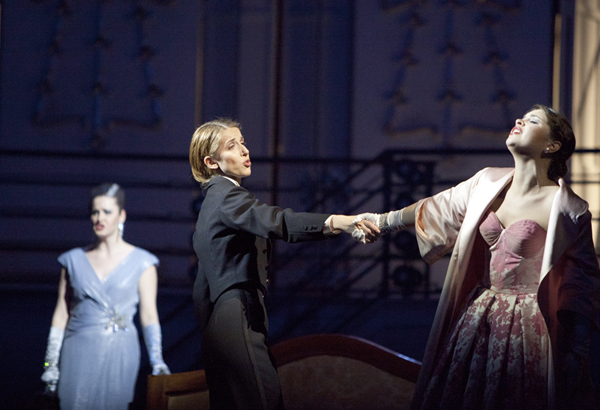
(232, 243)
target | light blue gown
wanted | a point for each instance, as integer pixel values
(100, 355)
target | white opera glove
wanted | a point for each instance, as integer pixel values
(367, 216)
(358, 234)
(391, 222)
(153, 339)
(388, 222)
(51, 373)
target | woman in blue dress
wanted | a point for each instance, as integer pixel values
(93, 354)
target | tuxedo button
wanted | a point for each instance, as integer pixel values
(306, 227)
(315, 227)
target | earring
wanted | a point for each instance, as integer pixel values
(121, 227)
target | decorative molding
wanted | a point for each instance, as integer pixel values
(413, 17)
(97, 122)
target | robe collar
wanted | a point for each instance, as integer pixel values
(567, 208)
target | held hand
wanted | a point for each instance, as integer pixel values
(385, 223)
(365, 228)
(343, 223)
(368, 216)
(348, 224)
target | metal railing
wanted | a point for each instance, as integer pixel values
(306, 279)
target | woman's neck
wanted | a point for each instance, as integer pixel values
(235, 180)
(110, 245)
(531, 174)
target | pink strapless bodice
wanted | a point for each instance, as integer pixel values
(516, 254)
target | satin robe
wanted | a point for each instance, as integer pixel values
(569, 279)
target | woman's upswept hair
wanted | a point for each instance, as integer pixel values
(560, 131)
(111, 190)
(205, 142)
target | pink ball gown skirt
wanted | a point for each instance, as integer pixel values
(497, 355)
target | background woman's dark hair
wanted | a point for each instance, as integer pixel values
(560, 131)
(111, 190)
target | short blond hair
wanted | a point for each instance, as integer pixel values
(205, 142)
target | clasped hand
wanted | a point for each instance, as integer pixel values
(366, 228)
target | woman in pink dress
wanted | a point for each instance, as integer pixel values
(522, 291)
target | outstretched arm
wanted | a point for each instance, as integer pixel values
(350, 223)
(385, 223)
(241, 210)
(397, 220)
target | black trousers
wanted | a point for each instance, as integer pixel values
(240, 371)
